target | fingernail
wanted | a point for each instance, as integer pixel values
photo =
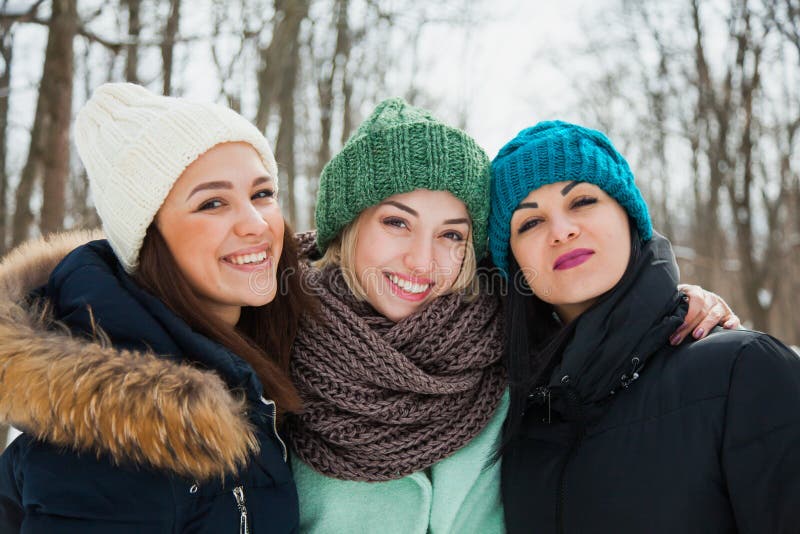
(728, 324)
(681, 328)
(675, 339)
(698, 333)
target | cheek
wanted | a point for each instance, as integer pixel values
(366, 261)
(526, 257)
(533, 268)
(449, 260)
(278, 227)
(274, 217)
(193, 243)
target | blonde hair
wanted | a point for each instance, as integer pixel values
(341, 253)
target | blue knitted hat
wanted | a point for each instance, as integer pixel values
(551, 152)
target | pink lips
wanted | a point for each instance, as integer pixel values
(573, 258)
(407, 295)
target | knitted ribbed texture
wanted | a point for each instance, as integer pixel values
(135, 144)
(398, 149)
(556, 151)
(383, 400)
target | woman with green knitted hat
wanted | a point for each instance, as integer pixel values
(401, 374)
(611, 428)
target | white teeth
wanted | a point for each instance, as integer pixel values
(405, 285)
(248, 258)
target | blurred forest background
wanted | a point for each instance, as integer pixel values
(702, 96)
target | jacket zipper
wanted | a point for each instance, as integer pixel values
(275, 426)
(238, 494)
(573, 402)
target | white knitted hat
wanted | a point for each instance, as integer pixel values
(135, 144)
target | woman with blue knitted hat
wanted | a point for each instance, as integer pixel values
(401, 377)
(149, 371)
(611, 428)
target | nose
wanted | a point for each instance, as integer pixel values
(249, 221)
(418, 258)
(562, 229)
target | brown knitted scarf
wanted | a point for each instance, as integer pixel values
(383, 399)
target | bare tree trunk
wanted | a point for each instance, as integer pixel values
(48, 156)
(7, 52)
(168, 44)
(277, 81)
(132, 49)
(325, 91)
(296, 12)
(717, 116)
(59, 93)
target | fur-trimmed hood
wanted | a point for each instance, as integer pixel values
(91, 397)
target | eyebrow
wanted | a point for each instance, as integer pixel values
(569, 187)
(456, 221)
(533, 205)
(401, 206)
(223, 184)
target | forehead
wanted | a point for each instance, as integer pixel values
(423, 200)
(228, 158)
(561, 189)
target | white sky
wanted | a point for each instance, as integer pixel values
(508, 73)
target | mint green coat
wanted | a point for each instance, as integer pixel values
(456, 495)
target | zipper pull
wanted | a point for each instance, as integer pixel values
(549, 411)
(539, 397)
(238, 494)
(275, 427)
(627, 380)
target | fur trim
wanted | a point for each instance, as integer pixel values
(29, 265)
(93, 398)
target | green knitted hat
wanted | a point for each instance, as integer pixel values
(398, 149)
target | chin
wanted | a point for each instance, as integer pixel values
(395, 311)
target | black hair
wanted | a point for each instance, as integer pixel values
(536, 338)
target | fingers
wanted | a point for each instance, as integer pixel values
(712, 319)
(729, 319)
(706, 310)
(697, 310)
(731, 322)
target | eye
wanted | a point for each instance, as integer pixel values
(397, 222)
(453, 235)
(528, 224)
(264, 193)
(583, 201)
(211, 205)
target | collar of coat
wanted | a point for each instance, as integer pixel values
(90, 396)
(614, 340)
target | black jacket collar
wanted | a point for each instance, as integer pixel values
(614, 340)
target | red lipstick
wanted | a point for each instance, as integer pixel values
(573, 258)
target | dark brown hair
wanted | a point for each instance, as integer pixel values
(263, 336)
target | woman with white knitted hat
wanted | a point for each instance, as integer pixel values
(180, 433)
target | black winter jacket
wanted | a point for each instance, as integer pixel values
(48, 487)
(632, 435)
